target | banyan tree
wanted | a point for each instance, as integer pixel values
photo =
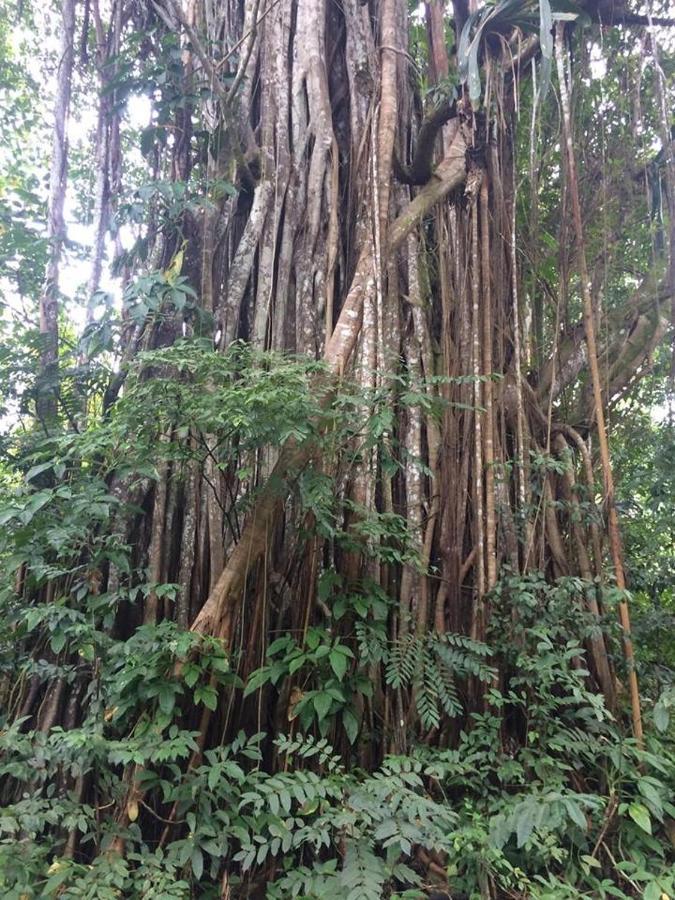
(319, 501)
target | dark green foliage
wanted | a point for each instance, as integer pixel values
(540, 790)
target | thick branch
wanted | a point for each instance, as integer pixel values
(419, 171)
(623, 18)
(571, 357)
(449, 175)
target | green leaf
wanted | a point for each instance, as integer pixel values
(661, 715)
(652, 891)
(338, 663)
(197, 861)
(640, 815)
(286, 800)
(652, 796)
(167, 699)
(575, 813)
(7, 514)
(257, 679)
(322, 704)
(37, 470)
(36, 502)
(33, 617)
(58, 641)
(525, 822)
(296, 663)
(351, 725)
(207, 695)
(281, 643)
(213, 777)
(51, 886)
(313, 638)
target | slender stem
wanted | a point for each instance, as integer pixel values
(591, 343)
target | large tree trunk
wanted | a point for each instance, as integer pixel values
(376, 231)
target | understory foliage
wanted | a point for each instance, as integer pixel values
(540, 787)
(312, 577)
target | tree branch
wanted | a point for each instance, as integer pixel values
(419, 171)
(207, 65)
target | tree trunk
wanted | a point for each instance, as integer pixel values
(56, 228)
